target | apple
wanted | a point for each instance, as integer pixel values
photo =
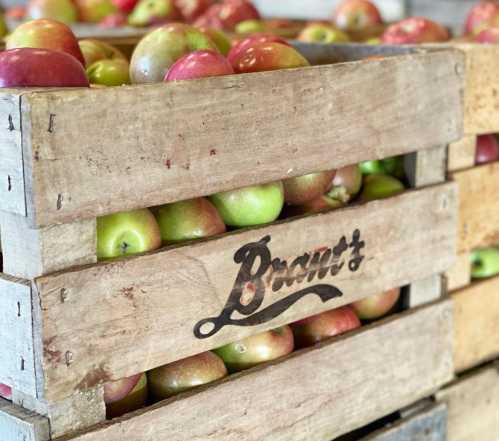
(95, 50)
(371, 167)
(109, 72)
(125, 233)
(394, 166)
(356, 15)
(5, 391)
(376, 306)
(125, 395)
(227, 14)
(306, 188)
(380, 187)
(415, 30)
(482, 16)
(487, 149)
(241, 46)
(4, 30)
(320, 33)
(257, 349)
(490, 36)
(192, 9)
(125, 6)
(94, 11)
(199, 64)
(268, 56)
(250, 27)
(153, 12)
(18, 12)
(373, 41)
(322, 203)
(211, 18)
(185, 374)
(28, 67)
(115, 20)
(346, 184)
(45, 34)
(159, 49)
(312, 330)
(485, 263)
(218, 37)
(249, 206)
(188, 220)
(60, 10)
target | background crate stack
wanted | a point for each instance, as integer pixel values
(70, 324)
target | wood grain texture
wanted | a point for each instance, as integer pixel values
(426, 167)
(459, 275)
(73, 176)
(479, 207)
(113, 317)
(316, 394)
(462, 154)
(476, 316)
(17, 424)
(472, 405)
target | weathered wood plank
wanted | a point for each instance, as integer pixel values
(423, 291)
(112, 318)
(17, 424)
(462, 154)
(476, 327)
(472, 405)
(426, 167)
(459, 275)
(71, 175)
(304, 397)
(479, 206)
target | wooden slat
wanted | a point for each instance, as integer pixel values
(479, 207)
(459, 275)
(112, 318)
(462, 154)
(476, 311)
(426, 167)
(316, 394)
(103, 142)
(17, 424)
(472, 404)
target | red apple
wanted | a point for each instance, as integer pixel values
(115, 20)
(153, 12)
(356, 15)
(211, 18)
(5, 391)
(125, 6)
(415, 30)
(482, 16)
(199, 64)
(94, 11)
(185, 374)
(314, 329)
(27, 67)
(257, 349)
(45, 34)
(241, 46)
(126, 395)
(376, 306)
(227, 14)
(490, 35)
(192, 9)
(322, 203)
(302, 189)
(268, 56)
(16, 12)
(346, 184)
(487, 149)
(60, 10)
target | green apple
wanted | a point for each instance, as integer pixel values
(109, 72)
(250, 27)
(373, 41)
(394, 166)
(373, 167)
(347, 183)
(188, 220)
(322, 33)
(380, 187)
(94, 11)
(4, 30)
(248, 206)
(257, 349)
(95, 50)
(149, 12)
(219, 37)
(61, 10)
(376, 306)
(126, 395)
(125, 233)
(485, 263)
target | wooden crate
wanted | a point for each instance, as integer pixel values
(57, 303)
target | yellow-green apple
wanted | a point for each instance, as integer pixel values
(250, 27)
(312, 330)
(95, 50)
(241, 46)
(153, 12)
(128, 232)
(415, 30)
(249, 206)
(394, 166)
(373, 41)
(268, 56)
(485, 263)
(482, 16)
(228, 14)
(94, 11)
(125, 6)
(199, 64)
(257, 349)
(125, 395)
(192, 9)
(188, 220)
(45, 34)
(28, 67)
(302, 189)
(159, 49)
(60, 10)
(346, 183)
(182, 375)
(371, 167)
(487, 149)
(490, 36)
(109, 72)
(4, 30)
(376, 306)
(219, 37)
(5, 391)
(380, 187)
(356, 15)
(321, 33)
